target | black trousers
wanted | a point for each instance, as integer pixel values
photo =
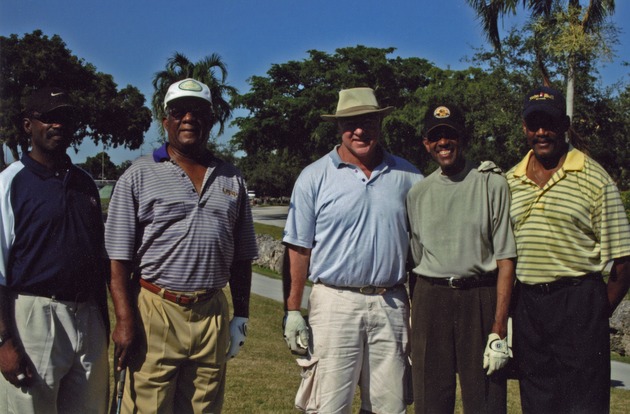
(562, 348)
(449, 331)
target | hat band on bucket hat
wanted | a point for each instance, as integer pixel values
(355, 102)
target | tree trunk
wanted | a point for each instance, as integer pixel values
(570, 87)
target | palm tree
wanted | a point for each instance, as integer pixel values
(179, 67)
(563, 28)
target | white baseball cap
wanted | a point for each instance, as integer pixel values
(187, 88)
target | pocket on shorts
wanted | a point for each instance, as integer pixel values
(306, 398)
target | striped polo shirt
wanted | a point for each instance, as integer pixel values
(574, 225)
(174, 236)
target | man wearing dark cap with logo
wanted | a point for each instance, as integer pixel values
(569, 222)
(180, 220)
(53, 269)
(463, 251)
(347, 232)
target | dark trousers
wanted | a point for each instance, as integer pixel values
(562, 347)
(449, 331)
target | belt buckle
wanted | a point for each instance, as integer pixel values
(450, 283)
(182, 299)
(372, 290)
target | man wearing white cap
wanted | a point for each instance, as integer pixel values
(180, 221)
(347, 232)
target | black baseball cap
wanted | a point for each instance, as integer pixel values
(47, 99)
(443, 115)
(547, 100)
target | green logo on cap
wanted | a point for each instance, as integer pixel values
(190, 85)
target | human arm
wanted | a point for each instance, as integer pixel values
(505, 283)
(14, 362)
(295, 330)
(618, 282)
(125, 331)
(240, 288)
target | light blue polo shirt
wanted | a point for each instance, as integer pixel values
(356, 226)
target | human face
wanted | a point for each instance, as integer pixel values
(445, 145)
(187, 124)
(545, 136)
(51, 133)
(359, 136)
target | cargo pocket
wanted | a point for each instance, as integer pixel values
(306, 398)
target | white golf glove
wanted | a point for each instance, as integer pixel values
(497, 353)
(296, 333)
(238, 333)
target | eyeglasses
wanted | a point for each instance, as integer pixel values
(445, 132)
(180, 112)
(351, 124)
(51, 118)
(538, 120)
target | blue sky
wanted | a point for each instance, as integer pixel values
(132, 39)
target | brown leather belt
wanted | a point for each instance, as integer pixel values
(178, 297)
(366, 290)
(468, 282)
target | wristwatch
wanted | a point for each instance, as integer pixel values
(4, 338)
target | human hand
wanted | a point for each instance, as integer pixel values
(123, 337)
(238, 333)
(296, 333)
(497, 353)
(14, 364)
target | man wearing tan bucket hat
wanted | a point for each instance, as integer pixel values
(347, 232)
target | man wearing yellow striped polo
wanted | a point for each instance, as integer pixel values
(569, 222)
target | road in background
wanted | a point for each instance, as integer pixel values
(271, 215)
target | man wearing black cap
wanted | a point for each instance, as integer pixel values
(569, 222)
(463, 250)
(53, 269)
(180, 220)
(347, 232)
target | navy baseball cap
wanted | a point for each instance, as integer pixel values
(47, 99)
(547, 100)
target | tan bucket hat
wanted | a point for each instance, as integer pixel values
(355, 102)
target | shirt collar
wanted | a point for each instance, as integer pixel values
(573, 162)
(161, 154)
(388, 160)
(41, 170)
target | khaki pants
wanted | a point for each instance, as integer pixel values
(180, 366)
(67, 346)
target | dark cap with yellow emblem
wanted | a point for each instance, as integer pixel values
(547, 100)
(443, 115)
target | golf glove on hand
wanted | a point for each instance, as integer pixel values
(296, 333)
(238, 333)
(497, 353)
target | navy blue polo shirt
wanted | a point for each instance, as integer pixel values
(52, 230)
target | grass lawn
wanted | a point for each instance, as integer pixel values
(263, 378)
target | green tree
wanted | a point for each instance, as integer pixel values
(283, 130)
(562, 29)
(179, 67)
(600, 123)
(101, 167)
(106, 115)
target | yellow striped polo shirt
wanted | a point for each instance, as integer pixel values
(574, 225)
